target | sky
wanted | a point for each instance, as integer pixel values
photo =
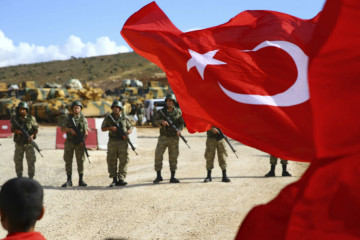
(42, 30)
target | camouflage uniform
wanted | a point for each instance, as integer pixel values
(168, 138)
(117, 147)
(63, 114)
(273, 160)
(213, 143)
(22, 145)
(72, 145)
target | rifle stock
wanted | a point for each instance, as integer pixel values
(172, 125)
(26, 134)
(121, 133)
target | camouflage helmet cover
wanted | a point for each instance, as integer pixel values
(117, 103)
(76, 103)
(170, 96)
(23, 105)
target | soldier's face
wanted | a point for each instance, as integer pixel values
(22, 111)
(116, 110)
(169, 103)
(76, 110)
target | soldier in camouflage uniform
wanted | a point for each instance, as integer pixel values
(72, 143)
(140, 114)
(168, 138)
(63, 114)
(23, 145)
(273, 162)
(214, 142)
(117, 145)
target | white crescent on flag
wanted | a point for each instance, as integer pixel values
(296, 94)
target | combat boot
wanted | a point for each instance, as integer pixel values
(68, 182)
(173, 179)
(158, 178)
(272, 171)
(121, 182)
(224, 177)
(81, 181)
(284, 172)
(114, 182)
(208, 178)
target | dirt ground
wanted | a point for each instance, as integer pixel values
(141, 210)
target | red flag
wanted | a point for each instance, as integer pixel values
(335, 79)
(324, 204)
(247, 77)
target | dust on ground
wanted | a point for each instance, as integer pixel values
(141, 210)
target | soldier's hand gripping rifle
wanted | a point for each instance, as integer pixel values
(26, 134)
(80, 137)
(222, 135)
(121, 133)
(172, 125)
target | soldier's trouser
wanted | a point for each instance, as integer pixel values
(172, 143)
(140, 119)
(273, 160)
(28, 149)
(211, 146)
(117, 149)
(69, 150)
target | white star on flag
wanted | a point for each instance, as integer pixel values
(200, 61)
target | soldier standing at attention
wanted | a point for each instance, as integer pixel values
(214, 141)
(72, 143)
(168, 137)
(273, 162)
(23, 145)
(117, 145)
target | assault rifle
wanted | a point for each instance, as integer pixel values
(121, 133)
(26, 134)
(174, 127)
(79, 136)
(222, 135)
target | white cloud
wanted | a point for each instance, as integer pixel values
(26, 53)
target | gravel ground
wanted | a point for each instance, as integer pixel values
(141, 210)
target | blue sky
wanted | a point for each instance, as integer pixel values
(45, 30)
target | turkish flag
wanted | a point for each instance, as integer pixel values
(247, 76)
(324, 203)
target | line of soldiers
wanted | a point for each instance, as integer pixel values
(119, 127)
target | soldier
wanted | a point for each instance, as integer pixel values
(214, 142)
(72, 143)
(63, 113)
(168, 137)
(153, 115)
(117, 145)
(140, 114)
(22, 144)
(273, 162)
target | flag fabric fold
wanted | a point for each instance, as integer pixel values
(236, 76)
(247, 76)
(324, 203)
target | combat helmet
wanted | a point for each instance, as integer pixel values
(117, 103)
(76, 103)
(170, 96)
(23, 105)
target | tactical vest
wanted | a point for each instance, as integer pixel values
(122, 122)
(176, 117)
(27, 125)
(80, 123)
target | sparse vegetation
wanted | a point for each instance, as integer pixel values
(95, 69)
